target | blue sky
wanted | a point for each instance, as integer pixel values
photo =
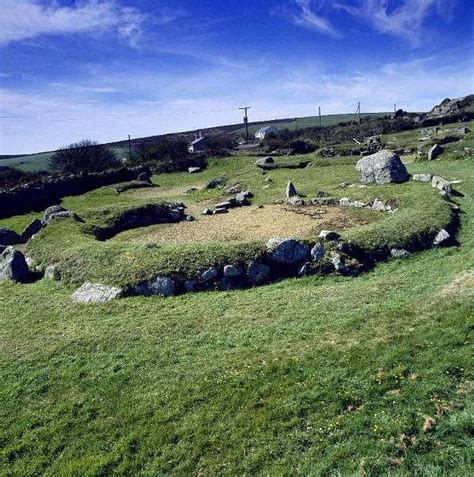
(102, 69)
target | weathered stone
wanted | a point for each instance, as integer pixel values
(399, 253)
(95, 293)
(422, 177)
(442, 184)
(13, 265)
(258, 272)
(51, 210)
(325, 201)
(191, 285)
(235, 189)
(208, 275)
(346, 202)
(434, 152)
(194, 170)
(190, 218)
(291, 190)
(377, 204)
(207, 212)
(442, 238)
(339, 263)
(232, 271)
(382, 167)
(52, 272)
(221, 211)
(64, 214)
(329, 235)
(31, 229)
(287, 251)
(9, 237)
(317, 252)
(162, 286)
(265, 162)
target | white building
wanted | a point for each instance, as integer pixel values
(265, 131)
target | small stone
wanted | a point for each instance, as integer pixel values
(441, 238)
(329, 235)
(399, 253)
(190, 218)
(232, 271)
(258, 272)
(194, 170)
(207, 212)
(52, 272)
(162, 286)
(208, 275)
(422, 177)
(51, 210)
(317, 252)
(144, 177)
(378, 205)
(338, 263)
(95, 293)
(214, 183)
(191, 285)
(442, 184)
(224, 205)
(221, 211)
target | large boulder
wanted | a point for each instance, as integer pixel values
(382, 167)
(287, 251)
(9, 237)
(13, 265)
(95, 293)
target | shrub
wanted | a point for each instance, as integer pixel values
(300, 146)
(168, 156)
(83, 156)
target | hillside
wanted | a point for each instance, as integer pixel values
(39, 161)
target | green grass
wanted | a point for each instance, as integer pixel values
(312, 376)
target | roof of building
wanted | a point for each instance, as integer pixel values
(199, 139)
(266, 129)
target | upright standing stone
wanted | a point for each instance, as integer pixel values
(291, 190)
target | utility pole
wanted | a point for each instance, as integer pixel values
(358, 111)
(395, 109)
(246, 121)
(129, 149)
(320, 122)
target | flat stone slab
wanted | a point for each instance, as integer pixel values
(95, 293)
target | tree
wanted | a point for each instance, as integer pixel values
(83, 156)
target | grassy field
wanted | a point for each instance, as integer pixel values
(29, 163)
(312, 376)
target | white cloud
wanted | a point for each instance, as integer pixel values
(405, 20)
(308, 17)
(51, 117)
(26, 19)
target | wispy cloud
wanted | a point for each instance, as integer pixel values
(26, 19)
(308, 15)
(405, 20)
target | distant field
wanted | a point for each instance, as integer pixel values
(39, 162)
(30, 163)
(309, 121)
